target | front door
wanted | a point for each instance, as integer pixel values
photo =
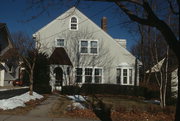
(58, 76)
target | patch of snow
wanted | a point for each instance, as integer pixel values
(78, 105)
(18, 101)
(75, 105)
(152, 101)
(77, 98)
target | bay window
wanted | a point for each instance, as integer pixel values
(124, 76)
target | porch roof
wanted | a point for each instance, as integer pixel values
(60, 57)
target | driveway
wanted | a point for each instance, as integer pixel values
(40, 113)
(32, 118)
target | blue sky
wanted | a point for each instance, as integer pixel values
(13, 12)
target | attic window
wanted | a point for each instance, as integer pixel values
(74, 23)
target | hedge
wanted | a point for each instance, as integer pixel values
(114, 89)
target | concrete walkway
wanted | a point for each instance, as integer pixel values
(31, 118)
(44, 108)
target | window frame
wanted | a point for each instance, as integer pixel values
(88, 75)
(80, 45)
(127, 76)
(78, 75)
(89, 47)
(92, 76)
(100, 75)
(73, 23)
(56, 42)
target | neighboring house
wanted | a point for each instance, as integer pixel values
(172, 75)
(82, 52)
(8, 64)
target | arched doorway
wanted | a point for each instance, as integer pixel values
(58, 76)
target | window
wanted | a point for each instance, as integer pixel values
(60, 42)
(125, 76)
(73, 23)
(98, 75)
(79, 74)
(130, 76)
(89, 46)
(93, 47)
(88, 75)
(84, 47)
(118, 77)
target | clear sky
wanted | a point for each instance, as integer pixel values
(13, 12)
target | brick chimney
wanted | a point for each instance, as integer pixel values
(104, 24)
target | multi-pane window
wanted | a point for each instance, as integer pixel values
(130, 76)
(97, 75)
(88, 75)
(84, 47)
(93, 46)
(73, 23)
(79, 74)
(118, 77)
(124, 76)
(60, 42)
(89, 46)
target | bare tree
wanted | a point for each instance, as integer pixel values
(100, 59)
(154, 20)
(72, 47)
(27, 53)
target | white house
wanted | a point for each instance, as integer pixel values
(8, 67)
(82, 52)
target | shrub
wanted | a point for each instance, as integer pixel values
(113, 89)
(41, 74)
(70, 90)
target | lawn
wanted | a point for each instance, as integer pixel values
(124, 108)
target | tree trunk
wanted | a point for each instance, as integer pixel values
(161, 97)
(177, 116)
(31, 83)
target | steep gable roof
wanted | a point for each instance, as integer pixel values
(75, 11)
(59, 56)
(5, 37)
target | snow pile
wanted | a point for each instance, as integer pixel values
(75, 106)
(76, 102)
(18, 101)
(77, 98)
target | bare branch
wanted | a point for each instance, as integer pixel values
(172, 8)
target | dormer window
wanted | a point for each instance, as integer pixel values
(74, 23)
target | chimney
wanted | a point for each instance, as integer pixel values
(104, 24)
(122, 42)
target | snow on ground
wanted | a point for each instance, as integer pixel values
(76, 99)
(18, 101)
(152, 101)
